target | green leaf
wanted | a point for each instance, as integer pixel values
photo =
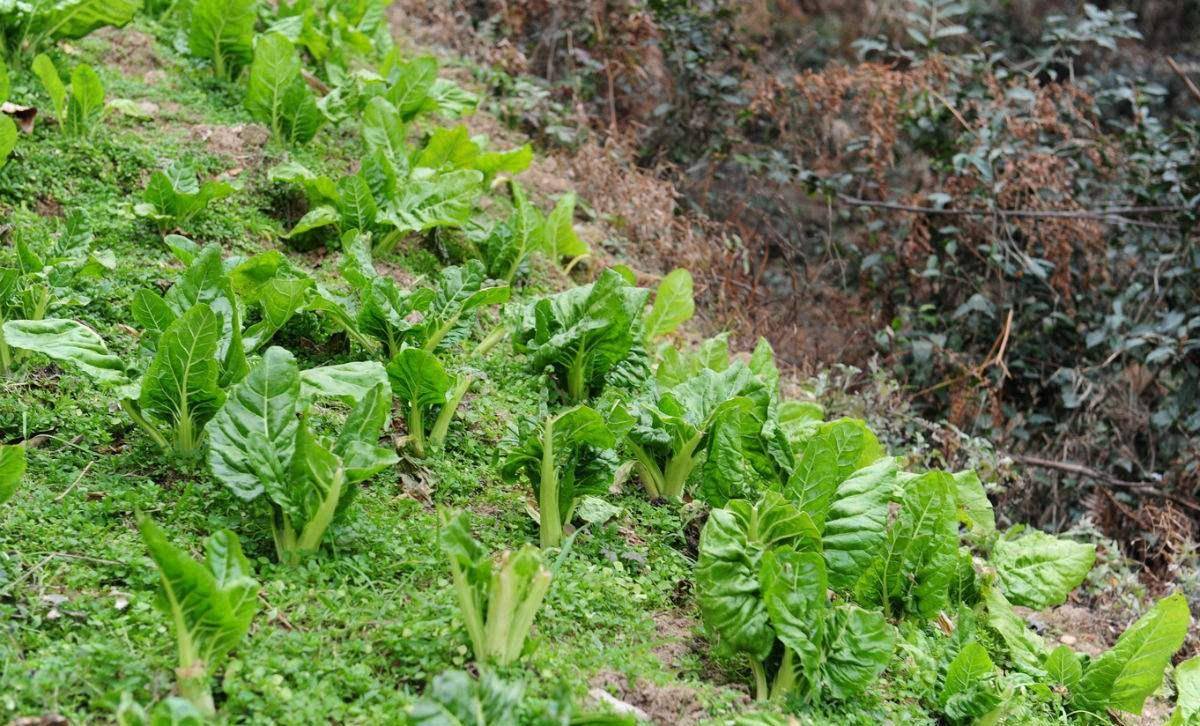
(413, 81)
(1124, 676)
(86, 105)
(459, 293)
(180, 386)
(859, 644)
(175, 195)
(12, 468)
(974, 509)
(1187, 693)
(969, 691)
(1026, 649)
(794, 591)
(67, 341)
(77, 18)
(856, 524)
(8, 138)
(673, 305)
(456, 699)
(347, 382)
(383, 129)
(222, 32)
(418, 378)
(1039, 570)
(253, 437)
(835, 451)
(559, 240)
(1063, 668)
(44, 69)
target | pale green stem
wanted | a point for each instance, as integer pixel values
(761, 691)
(493, 338)
(416, 429)
(441, 426)
(551, 524)
(679, 467)
(135, 412)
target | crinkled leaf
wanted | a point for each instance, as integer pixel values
(67, 341)
(969, 691)
(1039, 570)
(858, 646)
(856, 523)
(180, 386)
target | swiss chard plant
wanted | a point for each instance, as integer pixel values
(277, 94)
(585, 334)
(210, 605)
(499, 597)
(434, 316)
(221, 32)
(27, 28)
(422, 383)
(565, 457)
(337, 34)
(673, 306)
(669, 440)
(174, 196)
(79, 105)
(264, 444)
(510, 242)
(762, 584)
(12, 468)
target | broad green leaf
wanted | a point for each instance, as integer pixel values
(383, 129)
(418, 378)
(356, 204)
(67, 341)
(727, 581)
(1026, 649)
(8, 138)
(413, 82)
(559, 240)
(44, 69)
(440, 200)
(86, 104)
(12, 468)
(513, 161)
(315, 218)
(975, 511)
(456, 699)
(347, 382)
(447, 148)
(856, 523)
(1187, 693)
(1063, 668)
(222, 32)
(858, 646)
(253, 437)
(180, 386)
(968, 692)
(77, 18)
(794, 591)
(673, 305)
(1039, 570)
(1124, 676)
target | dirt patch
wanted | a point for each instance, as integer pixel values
(669, 704)
(1084, 630)
(49, 207)
(130, 50)
(676, 634)
(243, 142)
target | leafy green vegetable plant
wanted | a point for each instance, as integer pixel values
(174, 196)
(565, 457)
(673, 306)
(498, 597)
(762, 586)
(263, 443)
(668, 442)
(277, 94)
(419, 380)
(78, 106)
(583, 334)
(222, 33)
(511, 242)
(210, 605)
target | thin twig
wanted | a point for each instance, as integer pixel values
(1088, 472)
(75, 483)
(1108, 213)
(1191, 85)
